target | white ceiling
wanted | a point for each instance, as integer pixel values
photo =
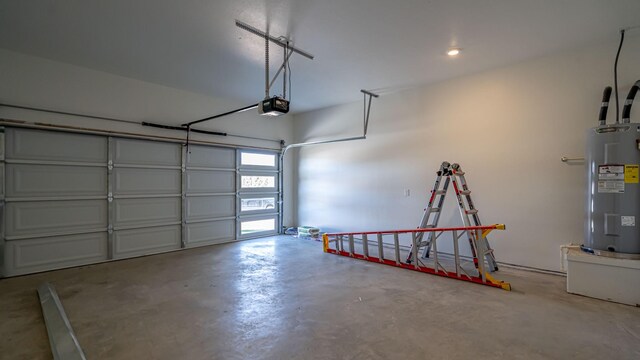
(371, 44)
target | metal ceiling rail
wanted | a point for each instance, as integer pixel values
(274, 40)
(242, 109)
(334, 243)
(367, 111)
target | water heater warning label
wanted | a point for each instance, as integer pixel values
(606, 172)
(628, 220)
(611, 186)
(611, 178)
(631, 174)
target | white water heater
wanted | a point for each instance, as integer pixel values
(612, 225)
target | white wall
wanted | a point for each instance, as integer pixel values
(508, 129)
(37, 82)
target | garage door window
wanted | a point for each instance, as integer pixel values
(258, 204)
(257, 226)
(258, 193)
(257, 159)
(258, 182)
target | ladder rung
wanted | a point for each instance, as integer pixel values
(439, 192)
(474, 211)
(465, 192)
(459, 173)
(435, 209)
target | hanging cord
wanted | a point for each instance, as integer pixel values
(289, 78)
(266, 67)
(188, 136)
(364, 112)
(284, 76)
(615, 76)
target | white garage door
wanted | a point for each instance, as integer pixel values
(145, 183)
(55, 210)
(210, 188)
(73, 199)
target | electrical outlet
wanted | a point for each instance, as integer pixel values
(407, 192)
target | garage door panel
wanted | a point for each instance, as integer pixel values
(36, 145)
(210, 207)
(2, 181)
(40, 254)
(204, 182)
(140, 181)
(53, 217)
(130, 151)
(145, 212)
(211, 157)
(213, 232)
(49, 180)
(2, 144)
(136, 242)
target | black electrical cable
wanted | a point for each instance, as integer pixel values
(615, 76)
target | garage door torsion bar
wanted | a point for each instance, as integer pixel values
(67, 113)
(160, 126)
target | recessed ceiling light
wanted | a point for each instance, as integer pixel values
(453, 51)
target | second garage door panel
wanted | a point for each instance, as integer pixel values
(208, 182)
(28, 180)
(35, 218)
(147, 206)
(210, 207)
(136, 242)
(146, 212)
(145, 181)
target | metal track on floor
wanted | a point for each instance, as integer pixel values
(64, 344)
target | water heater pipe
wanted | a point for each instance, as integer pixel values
(626, 111)
(606, 95)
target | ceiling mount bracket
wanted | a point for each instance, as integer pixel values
(288, 50)
(283, 42)
(367, 108)
(264, 35)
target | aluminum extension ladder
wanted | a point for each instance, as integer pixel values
(452, 173)
(360, 245)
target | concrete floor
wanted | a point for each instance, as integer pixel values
(282, 298)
